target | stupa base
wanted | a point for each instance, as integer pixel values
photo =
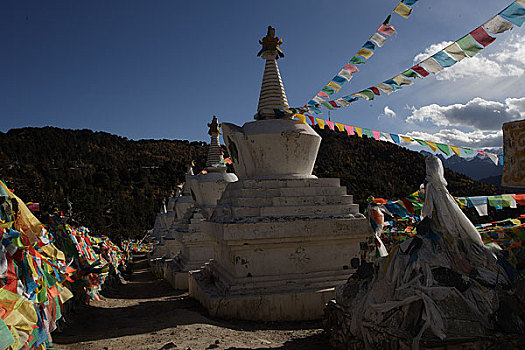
(298, 305)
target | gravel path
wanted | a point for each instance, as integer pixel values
(147, 313)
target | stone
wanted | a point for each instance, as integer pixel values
(514, 154)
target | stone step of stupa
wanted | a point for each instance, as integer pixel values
(282, 183)
(296, 211)
(251, 202)
(283, 192)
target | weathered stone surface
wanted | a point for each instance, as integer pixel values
(514, 151)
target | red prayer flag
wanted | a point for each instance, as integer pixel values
(376, 134)
(330, 124)
(374, 90)
(322, 94)
(420, 70)
(386, 29)
(349, 130)
(481, 152)
(311, 119)
(482, 36)
(334, 104)
(351, 68)
(520, 198)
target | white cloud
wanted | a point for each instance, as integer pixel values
(388, 113)
(477, 113)
(509, 62)
(476, 139)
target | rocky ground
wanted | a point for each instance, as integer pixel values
(147, 313)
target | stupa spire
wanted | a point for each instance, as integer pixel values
(214, 150)
(273, 103)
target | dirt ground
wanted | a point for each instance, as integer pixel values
(147, 313)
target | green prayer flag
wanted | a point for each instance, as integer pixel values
(357, 60)
(421, 142)
(469, 46)
(328, 90)
(6, 338)
(409, 73)
(467, 150)
(327, 105)
(368, 133)
(443, 148)
(368, 94)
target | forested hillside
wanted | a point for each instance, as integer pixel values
(116, 185)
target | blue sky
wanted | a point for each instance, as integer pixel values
(162, 69)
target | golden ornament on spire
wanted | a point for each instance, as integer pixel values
(214, 127)
(270, 44)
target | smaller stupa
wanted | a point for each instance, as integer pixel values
(194, 247)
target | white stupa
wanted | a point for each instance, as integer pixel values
(283, 238)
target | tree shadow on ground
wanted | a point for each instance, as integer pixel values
(313, 342)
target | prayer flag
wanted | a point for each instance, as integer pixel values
(349, 99)
(393, 84)
(467, 150)
(387, 89)
(480, 152)
(387, 137)
(454, 51)
(328, 90)
(501, 160)
(432, 145)
(407, 139)
(369, 45)
(330, 124)
(317, 99)
(342, 102)
(482, 37)
(367, 132)
(315, 109)
(320, 123)
(409, 73)
(359, 131)
(480, 204)
(402, 80)
(431, 65)
(493, 158)
(520, 198)
(327, 105)
(366, 53)
(386, 29)
(357, 60)
(345, 74)
(514, 13)
(334, 104)
(366, 94)
(497, 25)
(301, 117)
(312, 103)
(469, 46)
(339, 80)
(349, 130)
(443, 59)
(351, 68)
(418, 69)
(340, 126)
(387, 20)
(334, 86)
(444, 148)
(322, 94)
(376, 134)
(455, 150)
(378, 39)
(421, 142)
(403, 10)
(374, 90)
(409, 2)
(311, 119)
(395, 137)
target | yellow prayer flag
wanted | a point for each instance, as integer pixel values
(366, 53)
(403, 10)
(301, 118)
(359, 131)
(407, 139)
(432, 145)
(340, 127)
(65, 295)
(455, 150)
(334, 86)
(320, 123)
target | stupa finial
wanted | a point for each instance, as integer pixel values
(214, 127)
(270, 45)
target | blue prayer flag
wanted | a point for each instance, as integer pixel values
(443, 59)
(369, 45)
(409, 2)
(339, 80)
(395, 138)
(514, 13)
